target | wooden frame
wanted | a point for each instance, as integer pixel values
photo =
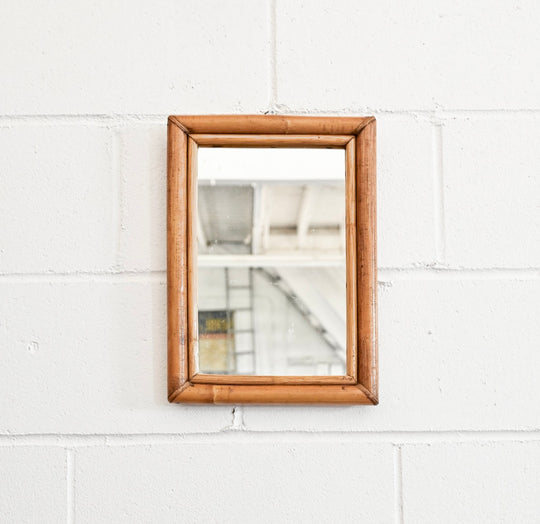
(357, 135)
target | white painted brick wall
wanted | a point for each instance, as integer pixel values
(407, 55)
(471, 482)
(245, 481)
(59, 203)
(143, 224)
(33, 484)
(492, 192)
(86, 434)
(97, 57)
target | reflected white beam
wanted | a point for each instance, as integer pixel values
(304, 214)
(201, 237)
(258, 219)
(270, 260)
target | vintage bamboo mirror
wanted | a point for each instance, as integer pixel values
(271, 262)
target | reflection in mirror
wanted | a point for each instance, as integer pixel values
(271, 261)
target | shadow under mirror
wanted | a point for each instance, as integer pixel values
(271, 261)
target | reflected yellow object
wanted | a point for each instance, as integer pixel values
(213, 353)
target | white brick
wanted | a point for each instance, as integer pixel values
(492, 197)
(470, 483)
(90, 358)
(405, 208)
(57, 199)
(236, 482)
(102, 57)
(398, 55)
(32, 485)
(144, 197)
(453, 355)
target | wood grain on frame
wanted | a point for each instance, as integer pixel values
(193, 308)
(322, 141)
(271, 124)
(177, 340)
(272, 394)
(272, 379)
(366, 221)
(350, 256)
(357, 136)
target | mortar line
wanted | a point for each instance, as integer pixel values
(117, 218)
(396, 438)
(85, 276)
(70, 486)
(273, 95)
(385, 274)
(105, 119)
(431, 114)
(453, 274)
(438, 193)
(398, 484)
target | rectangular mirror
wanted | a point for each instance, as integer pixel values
(271, 259)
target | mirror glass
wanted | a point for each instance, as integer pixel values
(271, 261)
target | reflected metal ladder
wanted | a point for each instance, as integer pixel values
(274, 278)
(232, 342)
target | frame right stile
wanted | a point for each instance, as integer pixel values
(366, 282)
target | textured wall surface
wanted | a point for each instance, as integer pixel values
(86, 433)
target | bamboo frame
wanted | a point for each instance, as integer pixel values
(357, 135)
